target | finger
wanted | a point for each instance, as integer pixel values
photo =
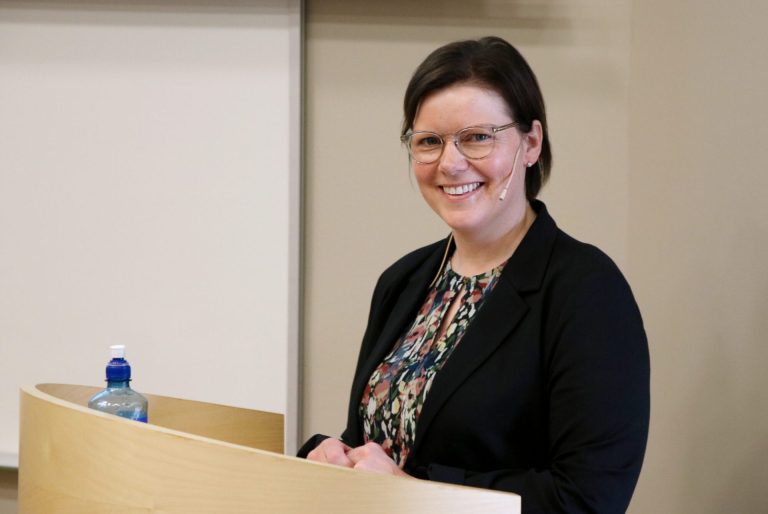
(331, 451)
(372, 465)
(378, 464)
(368, 450)
(337, 456)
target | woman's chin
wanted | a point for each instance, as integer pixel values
(462, 225)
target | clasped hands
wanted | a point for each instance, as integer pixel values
(369, 457)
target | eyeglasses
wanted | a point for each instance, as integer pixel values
(472, 142)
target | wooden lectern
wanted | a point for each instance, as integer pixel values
(196, 457)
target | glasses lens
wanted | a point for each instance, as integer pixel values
(425, 147)
(476, 142)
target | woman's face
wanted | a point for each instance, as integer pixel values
(465, 192)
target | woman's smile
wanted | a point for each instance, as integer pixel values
(464, 191)
(461, 190)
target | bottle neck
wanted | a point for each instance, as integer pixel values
(118, 384)
(118, 372)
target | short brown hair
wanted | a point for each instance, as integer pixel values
(493, 63)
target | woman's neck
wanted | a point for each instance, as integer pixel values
(476, 255)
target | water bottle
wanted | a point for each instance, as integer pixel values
(118, 398)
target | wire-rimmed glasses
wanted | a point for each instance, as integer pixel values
(474, 142)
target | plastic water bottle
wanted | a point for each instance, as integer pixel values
(118, 398)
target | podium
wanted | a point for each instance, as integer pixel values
(196, 457)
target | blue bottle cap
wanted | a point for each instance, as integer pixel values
(118, 370)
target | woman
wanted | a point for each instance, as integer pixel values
(509, 356)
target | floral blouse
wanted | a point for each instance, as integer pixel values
(392, 400)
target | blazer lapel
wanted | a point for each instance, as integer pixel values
(495, 320)
(403, 313)
(398, 319)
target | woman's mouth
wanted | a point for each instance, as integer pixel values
(460, 189)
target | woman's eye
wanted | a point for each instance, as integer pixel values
(477, 137)
(426, 141)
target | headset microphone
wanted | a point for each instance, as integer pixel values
(511, 175)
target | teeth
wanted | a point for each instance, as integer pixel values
(460, 190)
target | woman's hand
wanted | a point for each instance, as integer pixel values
(369, 457)
(372, 457)
(331, 451)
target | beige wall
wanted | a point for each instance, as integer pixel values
(698, 249)
(658, 116)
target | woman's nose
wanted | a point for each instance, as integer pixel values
(452, 161)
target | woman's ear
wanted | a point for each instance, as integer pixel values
(533, 141)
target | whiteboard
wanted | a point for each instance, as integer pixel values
(149, 196)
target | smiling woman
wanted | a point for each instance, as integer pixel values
(509, 356)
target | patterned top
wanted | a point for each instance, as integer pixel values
(392, 400)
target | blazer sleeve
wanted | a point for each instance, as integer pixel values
(598, 376)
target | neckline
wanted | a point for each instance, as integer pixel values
(486, 274)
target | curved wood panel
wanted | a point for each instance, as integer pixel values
(257, 429)
(76, 460)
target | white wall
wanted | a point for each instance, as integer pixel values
(149, 196)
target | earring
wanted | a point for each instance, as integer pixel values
(529, 164)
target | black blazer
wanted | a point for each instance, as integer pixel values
(547, 393)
